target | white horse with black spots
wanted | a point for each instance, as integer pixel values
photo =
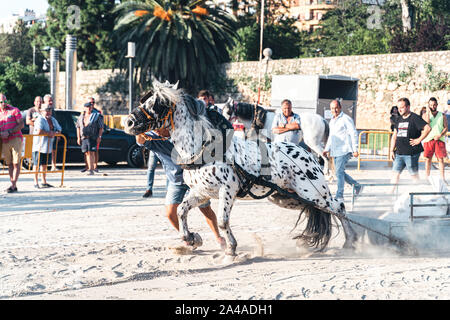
(314, 130)
(284, 165)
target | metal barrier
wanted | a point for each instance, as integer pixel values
(412, 205)
(27, 153)
(114, 121)
(377, 147)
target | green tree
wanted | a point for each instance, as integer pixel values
(17, 45)
(176, 40)
(346, 30)
(283, 37)
(90, 21)
(21, 84)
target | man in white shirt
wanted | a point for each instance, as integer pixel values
(341, 145)
(286, 125)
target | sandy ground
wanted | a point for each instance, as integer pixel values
(97, 238)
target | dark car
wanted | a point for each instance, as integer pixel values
(116, 146)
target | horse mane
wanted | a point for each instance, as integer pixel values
(166, 93)
(245, 110)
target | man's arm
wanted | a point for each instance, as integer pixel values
(393, 141)
(444, 130)
(29, 120)
(425, 131)
(19, 125)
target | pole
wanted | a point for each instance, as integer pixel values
(260, 50)
(71, 69)
(131, 54)
(34, 56)
(130, 85)
(54, 74)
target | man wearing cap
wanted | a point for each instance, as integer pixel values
(89, 134)
(11, 122)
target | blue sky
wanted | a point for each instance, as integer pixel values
(8, 7)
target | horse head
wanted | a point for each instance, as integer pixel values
(154, 109)
(229, 110)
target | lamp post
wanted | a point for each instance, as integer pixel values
(46, 48)
(260, 50)
(131, 54)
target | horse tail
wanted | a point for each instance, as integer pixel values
(318, 228)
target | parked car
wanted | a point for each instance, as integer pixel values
(116, 146)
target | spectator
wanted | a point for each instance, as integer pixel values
(203, 95)
(11, 122)
(48, 100)
(341, 145)
(212, 104)
(92, 102)
(423, 111)
(33, 113)
(176, 188)
(409, 131)
(89, 134)
(394, 116)
(47, 125)
(286, 124)
(434, 143)
(152, 163)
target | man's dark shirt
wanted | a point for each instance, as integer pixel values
(409, 128)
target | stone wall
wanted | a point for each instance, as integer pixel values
(383, 80)
(87, 83)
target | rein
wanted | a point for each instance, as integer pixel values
(169, 116)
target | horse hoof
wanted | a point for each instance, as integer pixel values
(197, 242)
(349, 245)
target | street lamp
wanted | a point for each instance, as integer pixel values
(46, 48)
(131, 54)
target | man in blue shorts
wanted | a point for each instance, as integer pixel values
(176, 188)
(409, 131)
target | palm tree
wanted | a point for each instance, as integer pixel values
(176, 40)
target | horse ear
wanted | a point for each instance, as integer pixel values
(175, 86)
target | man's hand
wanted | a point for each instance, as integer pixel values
(79, 141)
(163, 132)
(356, 154)
(4, 134)
(414, 142)
(326, 154)
(392, 155)
(437, 137)
(140, 139)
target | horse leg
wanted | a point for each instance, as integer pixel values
(350, 234)
(191, 201)
(226, 201)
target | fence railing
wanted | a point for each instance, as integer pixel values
(114, 121)
(26, 161)
(376, 145)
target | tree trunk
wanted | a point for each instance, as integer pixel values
(407, 15)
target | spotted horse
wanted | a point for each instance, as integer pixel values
(314, 129)
(286, 174)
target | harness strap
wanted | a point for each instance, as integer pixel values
(251, 180)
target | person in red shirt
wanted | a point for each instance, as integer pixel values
(11, 122)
